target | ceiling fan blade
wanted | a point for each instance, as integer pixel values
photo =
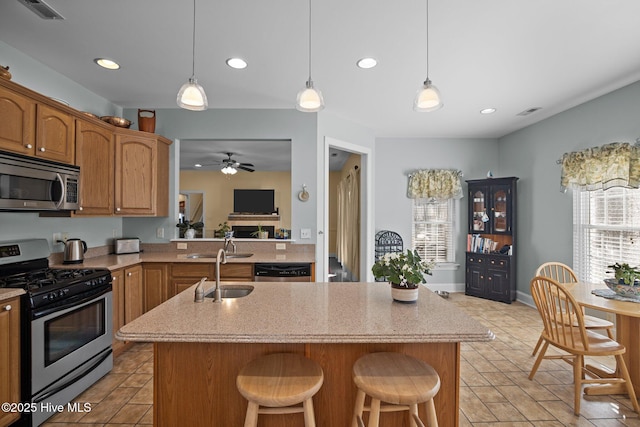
(244, 168)
(247, 164)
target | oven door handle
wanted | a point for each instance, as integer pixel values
(86, 371)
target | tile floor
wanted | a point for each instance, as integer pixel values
(495, 390)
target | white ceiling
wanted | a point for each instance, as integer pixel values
(509, 54)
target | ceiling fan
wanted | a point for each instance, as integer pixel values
(231, 166)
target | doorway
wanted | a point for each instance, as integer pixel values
(363, 156)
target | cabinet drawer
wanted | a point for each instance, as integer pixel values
(499, 263)
(476, 259)
(192, 269)
(236, 271)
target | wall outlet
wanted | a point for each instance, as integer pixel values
(181, 246)
(305, 233)
(160, 232)
(56, 237)
(281, 246)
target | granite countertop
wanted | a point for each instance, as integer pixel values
(7, 293)
(306, 313)
(114, 262)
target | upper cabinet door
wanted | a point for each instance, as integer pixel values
(17, 122)
(501, 209)
(95, 156)
(136, 175)
(55, 135)
(478, 206)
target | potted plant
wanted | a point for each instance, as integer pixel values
(260, 233)
(188, 229)
(222, 230)
(405, 271)
(625, 274)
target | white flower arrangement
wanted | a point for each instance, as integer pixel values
(402, 269)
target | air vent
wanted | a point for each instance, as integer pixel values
(529, 111)
(41, 9)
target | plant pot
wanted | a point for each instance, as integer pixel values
(263, 235)
(404, 295)
(190, 233)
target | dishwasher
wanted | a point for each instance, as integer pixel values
(282, 272)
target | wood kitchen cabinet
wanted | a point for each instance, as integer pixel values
(186, 274)
(9, 357)
(237, 272)
(17, 122)
(133, 293)
(117, 286)
(95, 154)
(35, 128)
(141, 174)
(156, 284)
(490, 264)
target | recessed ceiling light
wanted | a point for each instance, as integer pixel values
(367, 63)
(237, 63)
(488, 111)
(197, 165)
(107, 63)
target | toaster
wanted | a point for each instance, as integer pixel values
(127, 245)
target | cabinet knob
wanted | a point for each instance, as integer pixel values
(482, 277)
(7, 307)
(42, 150)
(129, 274)
(80, 208)
(117, 209)
(29, 146)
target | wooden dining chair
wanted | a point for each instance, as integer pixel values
(562, 273)
(564, 328)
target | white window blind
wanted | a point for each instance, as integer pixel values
(606, 230)
(432, 230)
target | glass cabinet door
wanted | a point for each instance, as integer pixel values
(500, 213)
(478, 211)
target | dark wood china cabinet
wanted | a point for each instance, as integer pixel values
(490, 257)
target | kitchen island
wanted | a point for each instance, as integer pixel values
(200, 347)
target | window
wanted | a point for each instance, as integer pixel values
(606, 229)
(432, 230)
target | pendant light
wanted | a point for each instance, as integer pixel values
(309, 99)
(428, 97)
(191, 95)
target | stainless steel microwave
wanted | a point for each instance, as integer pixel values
(28, 183)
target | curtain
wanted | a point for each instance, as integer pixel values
(611, 165)
(435, 184)
(348, 223)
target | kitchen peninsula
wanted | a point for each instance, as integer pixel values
(200, 347)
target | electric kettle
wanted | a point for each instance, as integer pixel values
(74, 250)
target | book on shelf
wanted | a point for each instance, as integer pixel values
(479, 244)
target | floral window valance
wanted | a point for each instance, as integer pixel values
(435, 184)
(611, 165)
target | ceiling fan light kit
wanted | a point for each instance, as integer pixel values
(428, 97)
(191, 95)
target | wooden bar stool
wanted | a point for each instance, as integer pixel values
(401, 381)
(273, 384)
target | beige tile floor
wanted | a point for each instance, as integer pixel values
(495, 390)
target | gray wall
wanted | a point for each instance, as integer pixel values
(397, 157)
(544, 213)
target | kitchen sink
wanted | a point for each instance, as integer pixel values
(232, 291)
(213, 256)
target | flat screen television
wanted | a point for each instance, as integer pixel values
(253, 201)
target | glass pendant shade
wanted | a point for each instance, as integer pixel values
(192, 97)
(309, 99)
(428, 98)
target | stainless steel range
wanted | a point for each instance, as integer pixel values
(66, 327)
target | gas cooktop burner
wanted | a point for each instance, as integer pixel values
(33, 280)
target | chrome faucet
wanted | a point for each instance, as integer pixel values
(221, 258)
(229, 241)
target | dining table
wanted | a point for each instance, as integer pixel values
(627, 315)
